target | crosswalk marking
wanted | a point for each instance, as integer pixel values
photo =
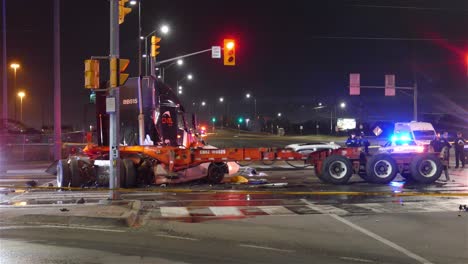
(226, 211)
(276, 210)
(174, 212)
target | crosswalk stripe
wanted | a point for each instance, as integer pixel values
(276, 210)
(226, 211)
(174, 212)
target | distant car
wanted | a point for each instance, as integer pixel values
(306, 148)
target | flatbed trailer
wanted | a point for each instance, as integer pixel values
(141, 164)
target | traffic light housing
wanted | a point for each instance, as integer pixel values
(155, 46)
(229, 50)
(91, 74)
(118, 77)
(123, 11)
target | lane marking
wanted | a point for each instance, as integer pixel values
(328, 209)
(372, 235)
(178, 237)
(225, 211)
(63, 227)
(357, 259)
(266, 248)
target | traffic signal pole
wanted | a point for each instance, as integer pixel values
(112, 105)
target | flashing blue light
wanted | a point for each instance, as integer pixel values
(403, 138)
(397, 184)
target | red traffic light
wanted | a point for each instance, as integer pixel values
(230, 45)
(229, 52)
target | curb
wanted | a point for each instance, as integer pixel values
(127, 219)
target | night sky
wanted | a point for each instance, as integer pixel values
(290, 54)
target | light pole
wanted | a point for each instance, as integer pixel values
(179, 87)
(21, 95)
(248, 96)
(342, 106)
(162, 71)
(15, 67)
(140, 38)
(164, 29)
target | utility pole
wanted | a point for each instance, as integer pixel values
(57, 87)
(112, 105)
(4, 66)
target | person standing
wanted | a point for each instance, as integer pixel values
(459, 150)
(352, 141)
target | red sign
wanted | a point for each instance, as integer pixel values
(390, 85)
(354, 84)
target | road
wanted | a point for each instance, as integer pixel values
(246, 223)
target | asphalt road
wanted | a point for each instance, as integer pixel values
(384, 238)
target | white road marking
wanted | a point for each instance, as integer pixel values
(371, 234)
(276, 210)
(178, 237)
(174, 212)
(61, 226)
(357, 259)
(266, 248)
(326, 209)
(225, 211)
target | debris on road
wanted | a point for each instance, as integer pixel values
(64, 210)
(239, 179)
(251, 172)
(81, 201)
(31, 183)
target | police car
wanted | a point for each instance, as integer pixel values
(402, 143)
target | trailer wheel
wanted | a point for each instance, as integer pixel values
(381, 168)
(337, 170)
(63, 173)
(129, 174)
(426, 168)
(216, 172)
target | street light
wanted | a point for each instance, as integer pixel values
(221, 99)
(162, 70)
(164, 29)
(343, 105)
(279, 114)
(15, 66)
(21, 95)
(203, 103)
(248, 95)
(133, 2)
(189, 76)
(180, 62)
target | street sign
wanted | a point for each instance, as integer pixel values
(389, 85)
(216, 52)
(354, 84)
(110, 105)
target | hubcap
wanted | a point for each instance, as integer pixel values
(337, 169)
(428, 168)
(383, 169)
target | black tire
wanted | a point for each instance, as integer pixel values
(216, 172)
(337, 170)
(63, 173)
(426, 168)
(381, 169)
(76, 178)
(130, 173)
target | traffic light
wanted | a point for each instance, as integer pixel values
(213, 119)
(155, 46)
(229, 52)
(91, 74)
(240, 120)
(118, 77)
(123, 11)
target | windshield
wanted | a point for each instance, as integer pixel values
(424, 134)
